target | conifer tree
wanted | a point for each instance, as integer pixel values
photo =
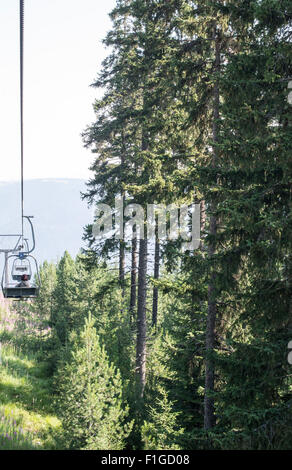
(44, 304)
(66, 295)
(161, 430)
(91, 405)
(198, 107)
(254, 245)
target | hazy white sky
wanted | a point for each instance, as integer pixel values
(63, 53)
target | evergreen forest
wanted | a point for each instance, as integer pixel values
(139, 343)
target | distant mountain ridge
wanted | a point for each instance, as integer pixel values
(59, 214)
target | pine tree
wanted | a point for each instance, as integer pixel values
(66, 295)
(91, 405)
(161, 430)
(44, 304)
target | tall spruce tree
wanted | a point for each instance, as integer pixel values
(254, 206)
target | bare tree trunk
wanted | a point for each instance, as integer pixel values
(142, 295)
(122, 260)
(209, 412)
(141, 318)
(133, 294)
(122, 266)
(202, 221)
(156, 276)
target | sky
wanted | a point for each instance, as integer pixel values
(63, 55)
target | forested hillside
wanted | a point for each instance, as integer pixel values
(172, 348)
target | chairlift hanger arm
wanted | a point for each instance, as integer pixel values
(33, 235)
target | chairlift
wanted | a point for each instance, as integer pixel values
(19, 285)
(21, 279)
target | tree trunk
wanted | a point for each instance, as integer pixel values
(142, 292)
(122, 261)
(122, 266)
(202, 222)
(133, 294)
(156, 276)
(141, 319)
(209, 412)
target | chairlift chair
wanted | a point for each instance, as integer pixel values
(21, 265)
(17, 265)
